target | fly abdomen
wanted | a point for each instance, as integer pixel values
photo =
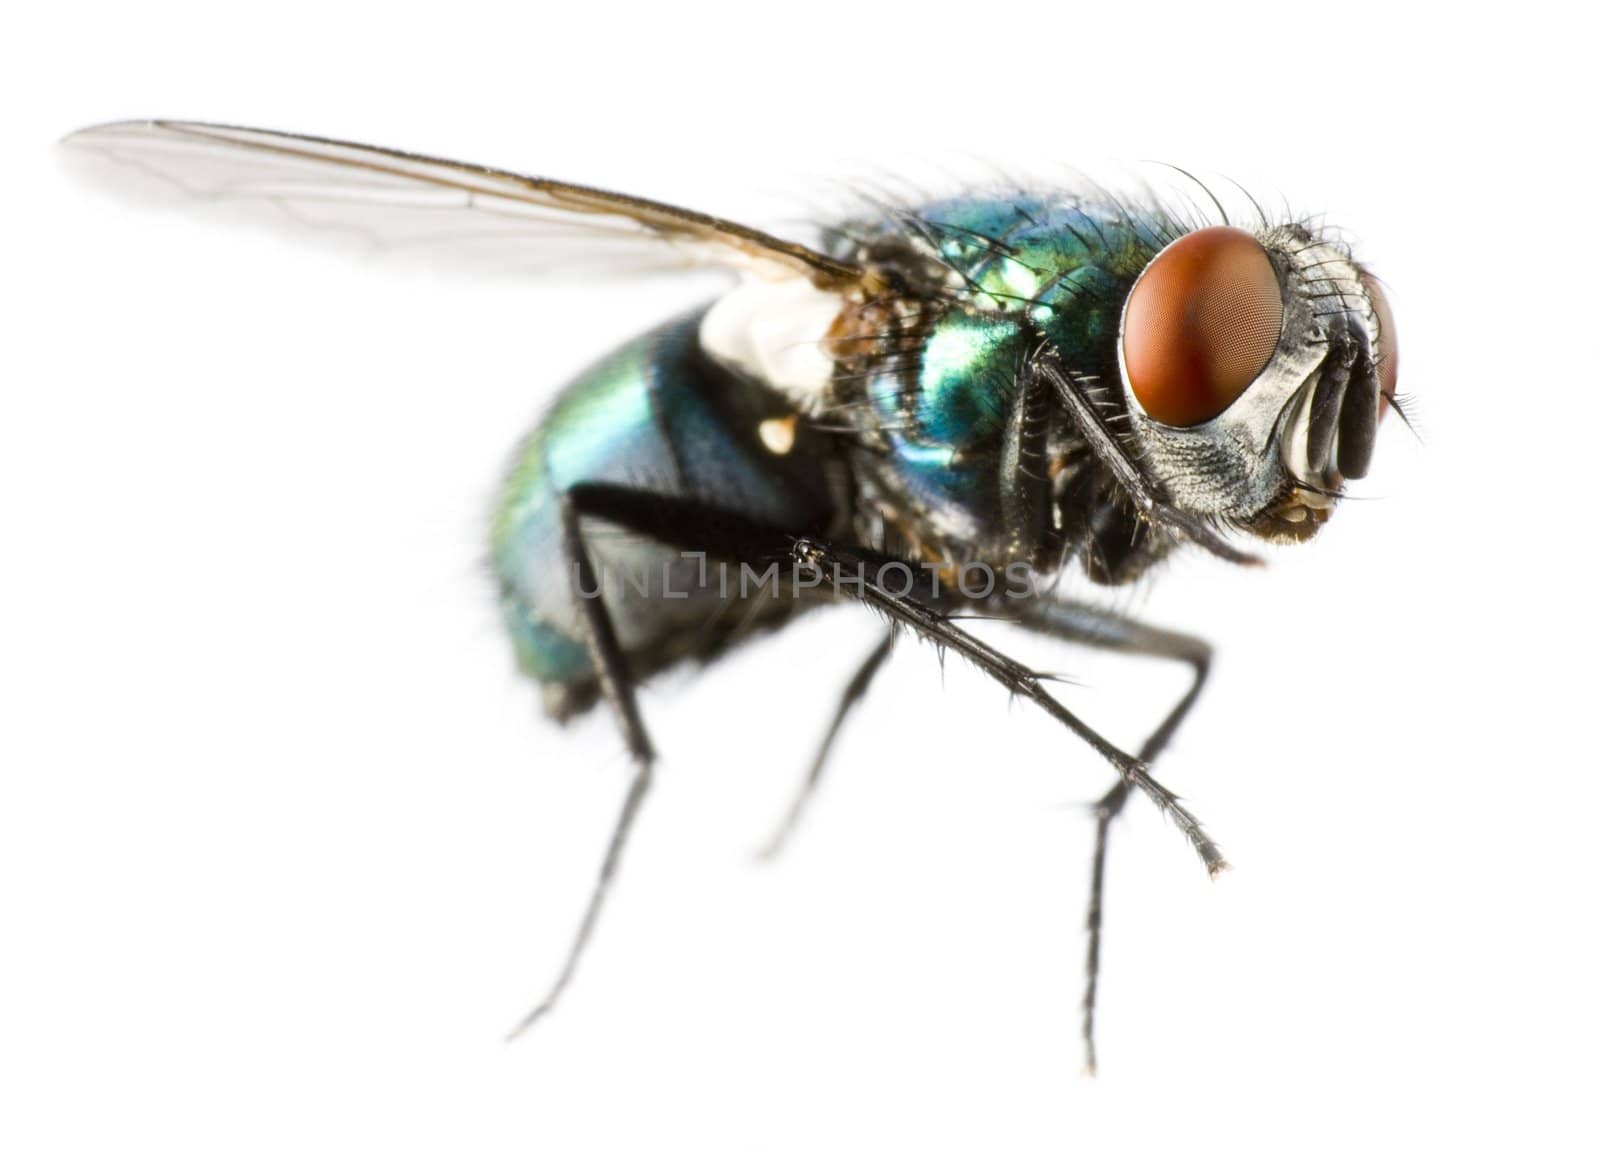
(656, 416)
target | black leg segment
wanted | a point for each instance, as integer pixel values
(684, 523)
(854, 692)
(935, 626)
(605, 654)
(861, 574)
(1151, 501)
(1082, 624)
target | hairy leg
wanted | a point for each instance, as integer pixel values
(1083, 624)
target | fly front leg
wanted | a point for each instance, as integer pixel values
(1079, 623)
(1153, 503)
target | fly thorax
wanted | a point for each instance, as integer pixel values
(937, 405)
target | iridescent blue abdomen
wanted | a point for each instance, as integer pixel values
(656, 415)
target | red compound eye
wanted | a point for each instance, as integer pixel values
(1200, 324)
(1387, 350)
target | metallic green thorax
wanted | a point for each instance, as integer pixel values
(1025, 273)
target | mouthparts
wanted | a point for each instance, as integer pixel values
(1335, 421)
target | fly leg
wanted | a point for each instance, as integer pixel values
(1153, 503)
(1082, 624)
(934, 625)
(675, 522)
(679, 522)
(605, 655)
(854, 691)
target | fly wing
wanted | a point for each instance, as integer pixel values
(442, 210)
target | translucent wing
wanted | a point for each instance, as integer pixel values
(440, 209)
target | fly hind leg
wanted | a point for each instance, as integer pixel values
(616, 684)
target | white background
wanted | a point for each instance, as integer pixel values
(285, 847)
